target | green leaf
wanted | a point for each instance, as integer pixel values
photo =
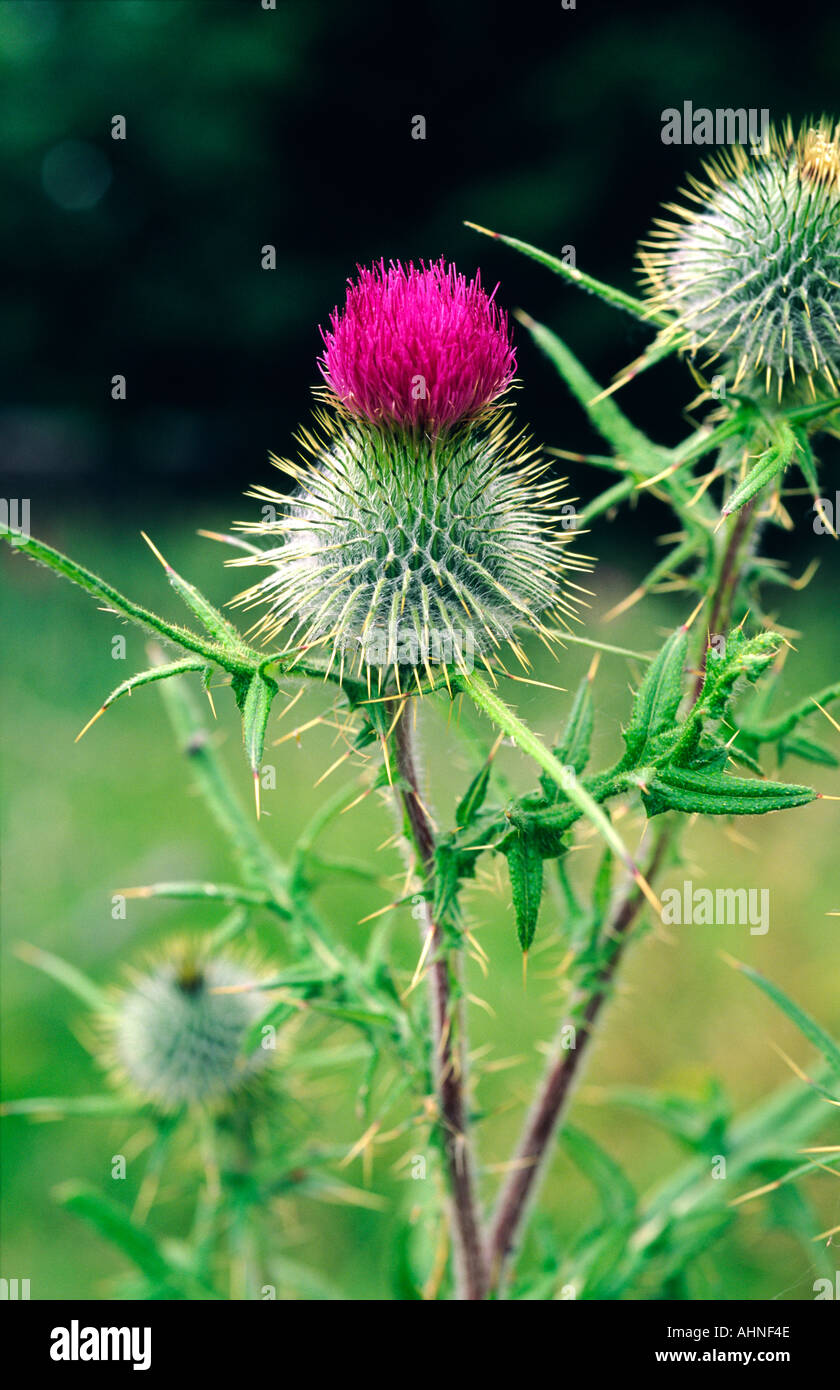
(807, 1026)
(259, 865)
(700, 1123)
(70, 1107)
(112, 1222)
(617, 298)
(473, 800)
(367, 1018)
(769, 730)
(573, 748)
(215, 622)
(658, 698)
(598, 1252)
(144, 617)
(769, 464)
(66, 975)
(798, 746)
(616, 1192)
(278, 1014)
(629, 442)
(155, 673)
(718, 794)
(256, 708)
(526, 882)
(210, 892)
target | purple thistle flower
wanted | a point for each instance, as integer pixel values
(417, 348)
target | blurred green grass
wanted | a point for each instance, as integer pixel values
(81, 821)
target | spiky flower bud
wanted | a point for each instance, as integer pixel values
(423, 531)
(176, 1032)
(752, 269)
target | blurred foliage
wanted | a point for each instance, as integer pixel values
(117, 810)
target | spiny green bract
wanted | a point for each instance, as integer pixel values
(175, 1040)
(398, 551)
(752, 271)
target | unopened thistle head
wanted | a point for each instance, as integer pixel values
(422, 531)
(751, 271)
(176, 1032)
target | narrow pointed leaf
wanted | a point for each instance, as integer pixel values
(608, 293)
(255, 712)
(473, 800)
(66, 975)
(772, 462)
(144, 617)
(612, 423)
(656, 703)
(526, 882)
(215, 622)
(808, 1027)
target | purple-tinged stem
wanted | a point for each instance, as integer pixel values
(555, 1092)
(450, 1080)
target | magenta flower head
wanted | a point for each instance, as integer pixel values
(417, 348)
(423, 531)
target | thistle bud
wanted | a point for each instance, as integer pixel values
(751, 271)
(177, 1030)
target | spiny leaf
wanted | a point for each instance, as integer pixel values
(573, 748)
(773, 461)
(155, 673)
(66, 975)
(215, 622)
(656, 703)
(256, 708)
(717, 794)
(628, 441)
(798, 746)
(92, 584)
(769, 730)
(526, 881)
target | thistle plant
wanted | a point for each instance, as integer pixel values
(420, 558)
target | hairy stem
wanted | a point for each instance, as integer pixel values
(555, 1092)
(727, 573)
(448, 1056)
